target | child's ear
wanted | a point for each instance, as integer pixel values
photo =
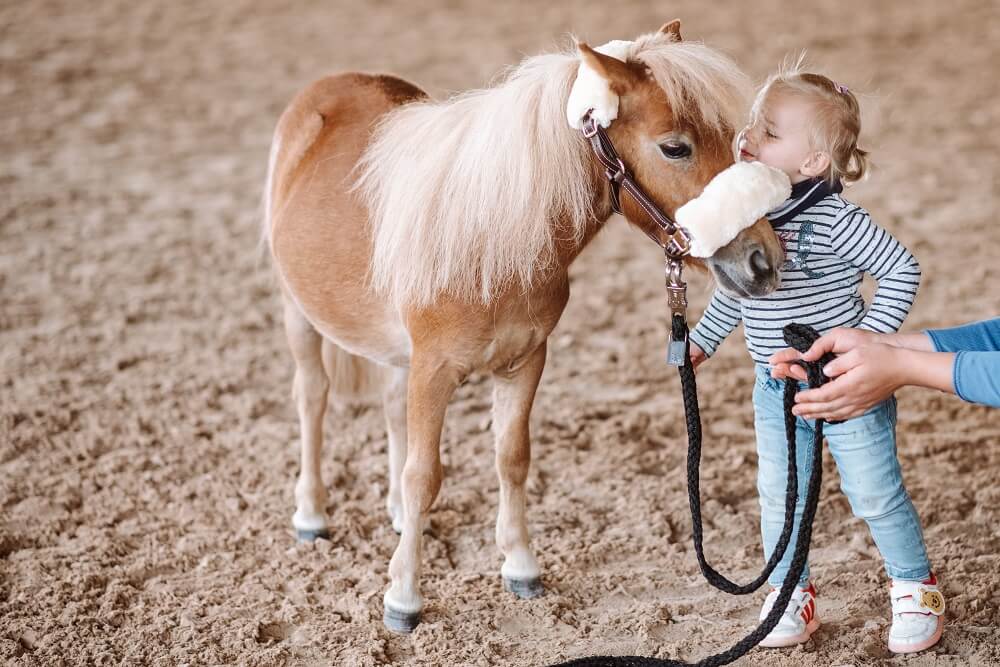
(815, 164)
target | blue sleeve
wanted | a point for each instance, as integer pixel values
(978, 337)
(976, 374)
(977, 377)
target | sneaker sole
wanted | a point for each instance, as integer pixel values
(922, 646)
(791, 640)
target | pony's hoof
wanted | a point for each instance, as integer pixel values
(525, 589)
(401, 622)
(312, 535)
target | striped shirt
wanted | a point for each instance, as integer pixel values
(830, 244)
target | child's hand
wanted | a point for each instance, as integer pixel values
(696, 353)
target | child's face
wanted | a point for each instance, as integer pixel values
(780, 138)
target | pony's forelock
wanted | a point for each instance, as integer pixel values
(699, 82)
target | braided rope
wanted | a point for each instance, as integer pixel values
(801, 338)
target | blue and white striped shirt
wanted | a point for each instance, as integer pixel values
(830, 244)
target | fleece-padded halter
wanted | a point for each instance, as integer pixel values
(732, 201)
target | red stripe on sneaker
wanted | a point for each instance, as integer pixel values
(809, 608)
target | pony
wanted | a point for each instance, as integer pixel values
(416, 241)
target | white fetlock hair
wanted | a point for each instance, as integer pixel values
(732, 201)
(592, 92)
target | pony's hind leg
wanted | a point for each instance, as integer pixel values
(513, 394)
(309, 389)
(430, 386)
(394, 403)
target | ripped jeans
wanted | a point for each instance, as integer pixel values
(864, 449)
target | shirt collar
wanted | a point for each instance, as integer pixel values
(804, 194)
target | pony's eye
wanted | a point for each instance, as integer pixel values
(675, 150)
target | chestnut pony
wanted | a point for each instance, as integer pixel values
(417, 241)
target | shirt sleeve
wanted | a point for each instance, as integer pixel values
(976, 376)
(721, 316)
(976, 337)
(865, 245)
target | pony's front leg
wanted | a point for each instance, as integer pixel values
(430, 386)
(513, 394)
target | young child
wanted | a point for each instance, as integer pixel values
(808, 126)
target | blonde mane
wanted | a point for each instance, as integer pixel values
(466, 197)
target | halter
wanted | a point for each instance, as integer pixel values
(678, 240)
(678, 243)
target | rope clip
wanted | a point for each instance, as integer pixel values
(677, 303)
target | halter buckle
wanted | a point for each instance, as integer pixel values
(616, 176)
(678, 244)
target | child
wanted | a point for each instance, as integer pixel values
(808, 126)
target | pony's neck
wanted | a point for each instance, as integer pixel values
(568, 249)
(569, 246)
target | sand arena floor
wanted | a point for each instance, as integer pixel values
(148, 446)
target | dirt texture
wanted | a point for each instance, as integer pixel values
(148, 443)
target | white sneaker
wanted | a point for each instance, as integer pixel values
(917, 615)
(797, 623)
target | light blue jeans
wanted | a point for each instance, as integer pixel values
(864, 449)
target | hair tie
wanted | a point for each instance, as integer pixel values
(842, 89)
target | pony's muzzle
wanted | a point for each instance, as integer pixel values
(749, 265)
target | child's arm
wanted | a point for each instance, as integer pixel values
(718, 321)
(870, 248)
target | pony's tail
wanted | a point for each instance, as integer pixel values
(354, 380)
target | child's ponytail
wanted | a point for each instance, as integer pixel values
(855, 167)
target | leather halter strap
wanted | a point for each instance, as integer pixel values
(678, 243)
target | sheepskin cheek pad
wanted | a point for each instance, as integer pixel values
(732, 201)
(591, 91)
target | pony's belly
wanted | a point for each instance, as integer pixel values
(335, 299)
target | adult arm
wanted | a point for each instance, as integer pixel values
(979, 337)
(872, 366)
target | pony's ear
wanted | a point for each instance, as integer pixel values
(614, 71)
(672, 30)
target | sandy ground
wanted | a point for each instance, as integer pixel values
(148, 446)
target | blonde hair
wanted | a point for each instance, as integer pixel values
(836, 122)
(468, 196)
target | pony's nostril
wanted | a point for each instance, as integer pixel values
(759, 264)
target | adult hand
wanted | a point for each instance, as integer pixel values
(865, 375)
(838, 341)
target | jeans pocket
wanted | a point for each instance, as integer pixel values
(879, 420)
(763, 380)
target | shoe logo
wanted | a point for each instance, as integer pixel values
(932, 600)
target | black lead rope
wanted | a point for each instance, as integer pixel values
(800, 337)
